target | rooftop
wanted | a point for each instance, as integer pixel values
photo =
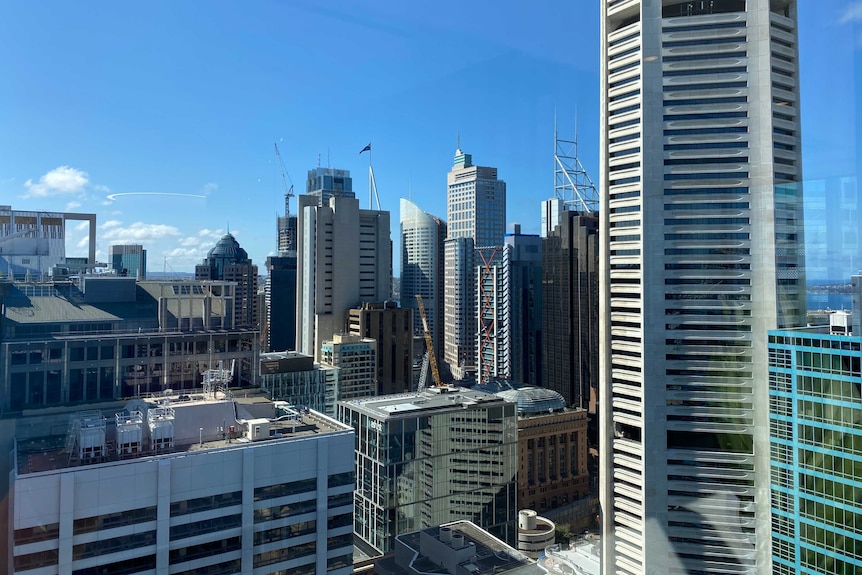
(447, 398)
(195, 422)
(435, 551)
(533, 400)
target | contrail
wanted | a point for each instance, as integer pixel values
(115, 196)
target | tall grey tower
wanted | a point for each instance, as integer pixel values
(476, 210)
(701, 253)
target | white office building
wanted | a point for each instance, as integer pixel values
(201, 486)
(344, 258)
(701, 254)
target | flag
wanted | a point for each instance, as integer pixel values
(366, 148)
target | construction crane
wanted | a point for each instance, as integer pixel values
(429, 344)
(288, 191)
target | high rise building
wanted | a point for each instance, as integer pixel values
(449, 454)
(815, 422)
(128, 260)
(522, 268)
(422, 237)
(459, 307)
(33, 242)
(344, 258)
(492, 337)
(201, 486)
(356, 360)
(476, 211)
(570, 338)
(392, 328)
(325, 183)
(280, 301)
(229, 262)
(701, 253)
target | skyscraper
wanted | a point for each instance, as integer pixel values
(701, 254)
(229, 262)
(280, 326)
(344, 258)
(815, 418)
(476, 210)
(392, 328)
(522, 268)
(129, 260)
(570, 282)
(422, 237)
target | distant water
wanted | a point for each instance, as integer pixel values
(829, 300)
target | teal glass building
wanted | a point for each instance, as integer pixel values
(815, 417)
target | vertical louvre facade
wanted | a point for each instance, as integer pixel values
(701, 254)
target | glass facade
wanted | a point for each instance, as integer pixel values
(420, 469)
(815, 416)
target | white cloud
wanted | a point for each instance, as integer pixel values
(72, 206)
(81, 226)
(138, 232)
(61, 180)
(84, 242)
(206, 232)
(192, 241)
(111, 224)
(209, 188)
(852, 13)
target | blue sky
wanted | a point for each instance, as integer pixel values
(107, 98)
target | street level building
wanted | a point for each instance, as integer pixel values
(432, 457)
(701, 254)
(552, 449)
(815, 422)
(201, 486)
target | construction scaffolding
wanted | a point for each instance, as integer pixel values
(572, 184)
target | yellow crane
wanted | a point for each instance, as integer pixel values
(429, 344)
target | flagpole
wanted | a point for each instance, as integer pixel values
(370, 179)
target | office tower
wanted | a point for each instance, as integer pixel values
(392, 328)
(128, 260)
(33, 242)
(459, 307)
(815, 423)
(295, 378)
(522, 269)
(856, 303)
(492, 341)
(280, 293)
(344, 258)
(422, 237)
(701, 253)
(450, 454)
(200, 486)
(325, 183)
(476, 210)
(551, 211)
(570, 338)
(356, 360)
(552, 449)
(109, 338)
(227, 261)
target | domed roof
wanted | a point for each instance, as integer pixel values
(227, 247)
(534, 399)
